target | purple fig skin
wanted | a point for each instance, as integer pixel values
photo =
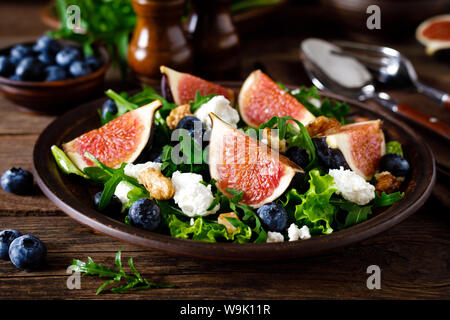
(165, 89)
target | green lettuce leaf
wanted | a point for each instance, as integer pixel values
(394, 147)
(315, 207)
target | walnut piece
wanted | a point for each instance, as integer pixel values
(177, 114)
(159, 186)
(271, 138)
(222, 220)
(322, 126)
(386, 182)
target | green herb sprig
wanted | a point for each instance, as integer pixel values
(133, 281)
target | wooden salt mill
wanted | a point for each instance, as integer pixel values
(215, 39)
(158, 39)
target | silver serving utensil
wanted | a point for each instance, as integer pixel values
(365, 92)
(391, 67)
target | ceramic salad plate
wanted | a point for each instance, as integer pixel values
(74, 196)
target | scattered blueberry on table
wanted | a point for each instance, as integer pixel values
(18, 181)
(46, 60)
(109, 107)
(145, 214)
(6, 237)
(27, 252)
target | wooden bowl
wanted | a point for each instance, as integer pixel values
(55, 97)
(74, 197)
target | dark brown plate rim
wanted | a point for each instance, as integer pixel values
(416, 195)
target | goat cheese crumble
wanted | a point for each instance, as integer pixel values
(221, 107)
(274, 237)
(296, 233)
(191, 196)
(122, 190)
(352, 187)
(133, 170)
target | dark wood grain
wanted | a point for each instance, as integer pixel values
(414, 256)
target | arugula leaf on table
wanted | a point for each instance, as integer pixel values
(133, 281)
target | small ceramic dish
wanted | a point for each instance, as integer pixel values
(55, 97)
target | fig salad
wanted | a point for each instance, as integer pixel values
(281, 165)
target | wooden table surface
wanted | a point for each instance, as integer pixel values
(414, 256)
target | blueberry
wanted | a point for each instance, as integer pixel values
(6, 67)
(273, 216)
(55, 73)
(395, 164)
(79, 68)
(93, 62)
(27, 252)
(194, 127)
(145, 214)
(114, 207)
(20, 51)
(16, 77)
(6, 237)
(17, 181)
(46, 44)
(109, 108)
(67, 55)
(46, 58)
(298, 155)
(30, 69)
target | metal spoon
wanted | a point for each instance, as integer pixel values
(391, 67)
(367, 91)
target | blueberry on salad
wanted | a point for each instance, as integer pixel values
(27, 252)
(67, 55)
(109, 107)
(145, 214)
(6, 237)
(114, 207)
(55, 73)
(273, 216)
(298, 155)
(6, 66)
(18, 181)
(193, 126)
(395, 164)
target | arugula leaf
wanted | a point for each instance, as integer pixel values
(64, 163)
(200, 100)
(387, 199)
(394, 147)
(329, 108)
(236, 195)
(134, 281)
(295, 136)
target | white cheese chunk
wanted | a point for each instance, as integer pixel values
(352, 187)
(295, 233)
(221, 107)
(122, 190)
(133, 170)
(191, 196)
(274, 237)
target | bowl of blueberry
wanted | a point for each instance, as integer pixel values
(49, 75)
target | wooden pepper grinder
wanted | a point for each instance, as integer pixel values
(158, 39)
(215, 39)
